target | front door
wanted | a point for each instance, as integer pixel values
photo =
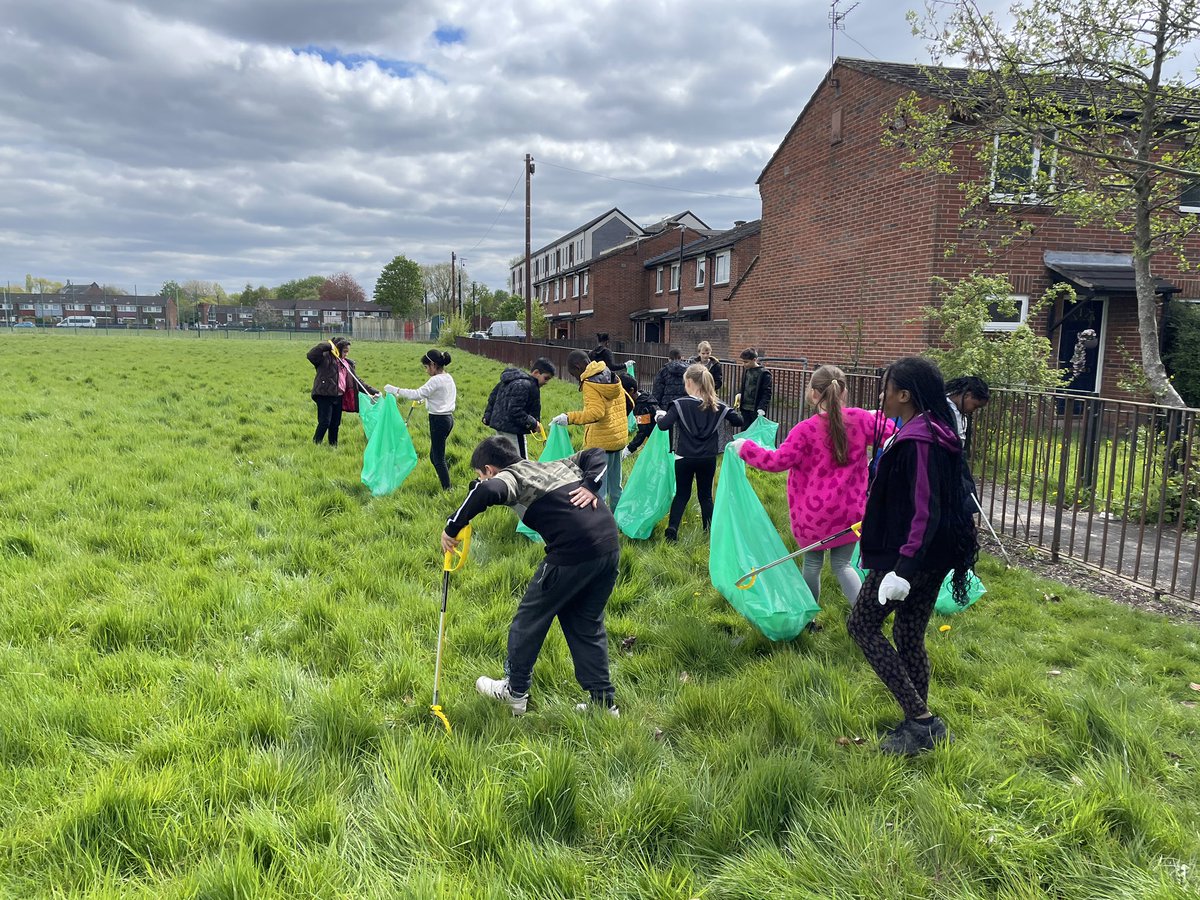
(1084, 374)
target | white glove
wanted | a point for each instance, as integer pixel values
(893, 587)
(625, 454)
(762, 412)
(659, 415)
(560, 419)
(630, 362)
(392, 389)
(736, 444)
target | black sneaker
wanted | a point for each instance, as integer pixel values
(671, 535)
(914, 736)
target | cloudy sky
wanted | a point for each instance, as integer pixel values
(263, 140)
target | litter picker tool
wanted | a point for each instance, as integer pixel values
(540, 434)
(448, 565)
(408, 415)
(983, 516)
(747, 581)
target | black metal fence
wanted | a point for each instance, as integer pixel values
(1111, 484)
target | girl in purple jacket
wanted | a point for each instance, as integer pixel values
(825, 457)
(915, 531)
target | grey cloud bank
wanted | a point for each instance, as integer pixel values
(225, 141)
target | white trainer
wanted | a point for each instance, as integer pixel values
(498, 690)
(613, 711)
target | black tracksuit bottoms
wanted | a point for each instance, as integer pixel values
(577, 595)
(329, 418)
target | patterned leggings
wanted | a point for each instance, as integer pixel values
(904, 669)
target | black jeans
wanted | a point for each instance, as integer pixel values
(576, 595)
(440, 427)
(904, 669)
(702, 469)
(329, 418)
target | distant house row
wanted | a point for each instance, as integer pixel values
(850, 243)
(154, 311)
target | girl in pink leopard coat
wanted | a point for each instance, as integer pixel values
(826, 459)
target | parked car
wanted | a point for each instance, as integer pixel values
(478, 335)
(23, 325)
(255, 328)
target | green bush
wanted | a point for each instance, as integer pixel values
(1183, 350)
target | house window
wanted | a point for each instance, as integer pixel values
(586, 280)
(571, 254)
(556, 292)
(721, 268)
(1008, 318)
(1021, 167)
(127, 309)
(574, 285)
(152, 309)
(675, 276)
(700, 263)
(1189, 200)
(97, 307)
(658, 280)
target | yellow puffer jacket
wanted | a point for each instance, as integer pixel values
(603, 410)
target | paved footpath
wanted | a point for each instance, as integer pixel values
(1106, 542)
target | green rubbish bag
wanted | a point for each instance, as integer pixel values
(390, 454)
(778, 603)
(763, 432)
(558, 446)
(647, 495)
(945, 604)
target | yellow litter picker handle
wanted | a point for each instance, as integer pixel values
(448, 563)
(747, 581)
(541, 433)
(334, 350)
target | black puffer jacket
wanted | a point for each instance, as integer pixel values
(325, 384)
(668, 383)
(714, 369)
(515, 404)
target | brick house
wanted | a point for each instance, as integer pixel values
(849, 235)
(312, 314)
(111, 310)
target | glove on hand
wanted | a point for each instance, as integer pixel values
(736, 444)
(560, 419)
(762, 412)
(659, 415)
(893, 587)
(625, 454)
(392, 389)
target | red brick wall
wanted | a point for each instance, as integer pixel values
(847, 232)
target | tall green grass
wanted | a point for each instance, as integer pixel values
(216, 656)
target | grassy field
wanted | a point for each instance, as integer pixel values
(216, 654)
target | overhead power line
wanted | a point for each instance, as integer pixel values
(498, 215)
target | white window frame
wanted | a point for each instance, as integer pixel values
(574, 285)
(701, 265)
(1022, 303)
(658, 280)
(152, 309)
(721, 267)
(1192, 206)
(674, 277)
(126, 309)
(1035, 173)
(586, 282)
(98, 307)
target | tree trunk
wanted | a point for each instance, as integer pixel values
(1147, 310)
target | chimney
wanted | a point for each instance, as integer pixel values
(738, 223)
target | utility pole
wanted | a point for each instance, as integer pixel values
(453, 279)
(528, 283)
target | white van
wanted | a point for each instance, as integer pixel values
(77, 322)
(509, 328)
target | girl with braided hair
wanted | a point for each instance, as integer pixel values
(825, 457)
(915, 531)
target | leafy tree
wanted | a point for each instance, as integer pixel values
(265, 313)
(170, 289)
(342, 288)
(251, 295)
(1018, 357)
(400, 287)
(512, 307)
(1070, 109)
(301, 288)
(41, 285)
(539, 325)
(439, 287)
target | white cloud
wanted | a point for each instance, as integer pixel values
(145, 141)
